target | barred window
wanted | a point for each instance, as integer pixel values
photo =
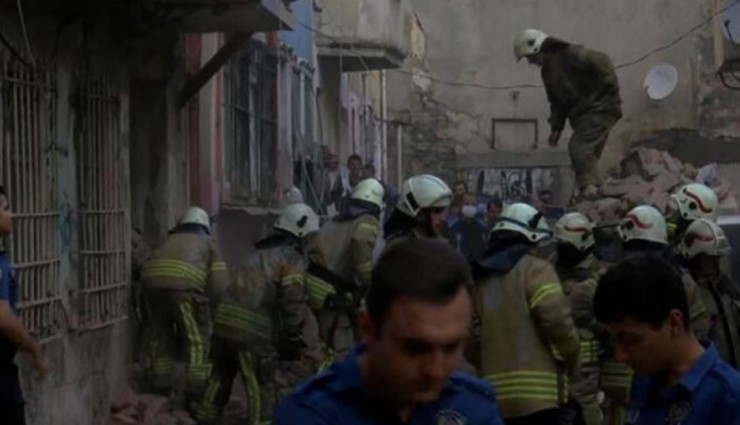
(251, 124)
(102, 219)
(28, 162)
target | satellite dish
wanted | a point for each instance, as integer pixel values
(661, 81)
(731, 21)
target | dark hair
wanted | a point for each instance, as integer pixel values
(496, 202)
(354, 157)
(421, 269)
(643, 287)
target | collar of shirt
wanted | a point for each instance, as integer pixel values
(688, 383)
(350, 376)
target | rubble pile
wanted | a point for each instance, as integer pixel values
(146, 409)
(649, 176)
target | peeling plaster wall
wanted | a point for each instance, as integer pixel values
(471, 41)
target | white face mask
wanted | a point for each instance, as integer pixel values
(469, 211)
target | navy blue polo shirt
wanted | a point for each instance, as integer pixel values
(708, 394)
(8, 292)
(338, 396)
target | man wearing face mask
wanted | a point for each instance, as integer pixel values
(468, 235)
(579, 273)
(421, 210)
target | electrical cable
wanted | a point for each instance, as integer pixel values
(25, 33)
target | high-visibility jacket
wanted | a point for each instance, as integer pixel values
(525, 328)
(187, 260)
(267, 299)
(346, 249)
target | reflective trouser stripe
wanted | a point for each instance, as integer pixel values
(589, 352)
(251, 385)
(525, 385)
(293, 279)
(543, 292)
(198, 367)
(218, 266)
(616, 375)
(175, 269)
(241, 319)
(365, 270)
(317, 290)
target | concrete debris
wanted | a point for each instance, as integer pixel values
(648, 177)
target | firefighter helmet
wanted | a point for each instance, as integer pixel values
(529, 42)
(703, 236)
(644, 223)
(369, 190)
(525, 220)
(695, 200)
(195, 215)
(298, 219)
(575, 229)
(423, 191)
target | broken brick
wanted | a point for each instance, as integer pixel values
(125, 399)
(665, 182)
(151, 406)
(609, 210)
(670, 163)
(620, 187)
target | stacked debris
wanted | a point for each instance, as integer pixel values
(648, 177)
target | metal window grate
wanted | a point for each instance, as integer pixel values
(101, 215)
(29, 173)
(251, 124)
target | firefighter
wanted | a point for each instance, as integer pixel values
(582, 88)
(688, 203)
(528, 343)
(643, 230)
(341, 264)
(258, 326)
(182, 280)
(421, 211)
(702, 249)
(579, 272)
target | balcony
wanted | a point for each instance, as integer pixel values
(364, 34)
(232, 15)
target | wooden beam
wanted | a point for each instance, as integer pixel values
(197, 81)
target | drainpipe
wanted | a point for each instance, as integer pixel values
(399, 147)
(383, 128)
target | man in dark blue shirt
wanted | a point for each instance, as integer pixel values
(13, 336)
(414, 329)
(679, 381)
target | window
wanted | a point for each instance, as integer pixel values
(102, 219)
(251, 124)
(28, 161)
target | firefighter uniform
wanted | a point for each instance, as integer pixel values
(528, 341)
(182, 280)
(579, 284)
(343, 249)
(263, 309)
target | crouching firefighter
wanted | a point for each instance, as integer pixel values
(258, 327)
(182, 280)
(341, 264)
(528, 341)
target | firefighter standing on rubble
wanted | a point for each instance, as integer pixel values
(341, 263)
(702, 249)
(182, 280)
(579, 272)
(421, 210)
(527, 342)
(582, 88)
(258, 328)
(643, 230)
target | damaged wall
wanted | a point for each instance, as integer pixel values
(466, 47)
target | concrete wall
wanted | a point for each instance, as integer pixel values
(470, 41)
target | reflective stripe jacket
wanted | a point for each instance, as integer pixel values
(187, 261)
(346, 249)
(524, 321)
(266, 301)
(579, 284)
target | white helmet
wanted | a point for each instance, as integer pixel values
(298, 219)
(195, 215)
(423, 191)
(370, 190)
(528, 43)
(703, 237)
(525, 220)
(576, 229)
(695, 200)
(644, 223)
